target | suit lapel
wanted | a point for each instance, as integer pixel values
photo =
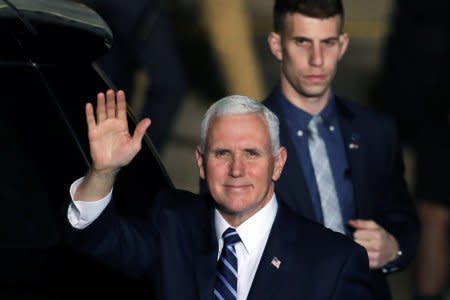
(205, 252)
(269, 274)
(355, 149)
(293, 188)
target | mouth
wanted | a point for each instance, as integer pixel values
(315, 78)
(237, 187)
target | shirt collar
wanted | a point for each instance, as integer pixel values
(299, 118)
(329, 111)
(253, 230)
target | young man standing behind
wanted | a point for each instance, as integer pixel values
(345, 168)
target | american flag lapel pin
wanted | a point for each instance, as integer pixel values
(275, 262)
(354, 145)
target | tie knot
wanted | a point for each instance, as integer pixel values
(313, 124)
(230, 237)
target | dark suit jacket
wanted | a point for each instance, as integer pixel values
(376, 170)
(176, 249)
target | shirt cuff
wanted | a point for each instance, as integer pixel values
(82, 213)
(392, 266)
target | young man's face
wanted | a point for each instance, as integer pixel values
(308, 50)
(239, 166)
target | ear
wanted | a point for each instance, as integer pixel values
(274, 41)
(343, 41)
(280, 160)
(200, 163)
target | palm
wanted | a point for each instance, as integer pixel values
(111, 144)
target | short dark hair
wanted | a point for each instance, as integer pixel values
(321, 9)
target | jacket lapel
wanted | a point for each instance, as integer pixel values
(292, 185)
(274, 264)
(205, 252)
(355, 149)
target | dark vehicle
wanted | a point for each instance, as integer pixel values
(47, 74)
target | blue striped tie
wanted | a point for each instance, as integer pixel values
(225, 287)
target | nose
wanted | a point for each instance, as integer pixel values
(316, 56)
(237, 167)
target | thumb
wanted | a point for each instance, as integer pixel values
(140, 129)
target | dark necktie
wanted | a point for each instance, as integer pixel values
(225, 287)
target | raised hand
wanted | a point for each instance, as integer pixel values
(111, 144)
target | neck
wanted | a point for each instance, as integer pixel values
(310, 104)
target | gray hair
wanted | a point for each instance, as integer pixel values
(240, 105)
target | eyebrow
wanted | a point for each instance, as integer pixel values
(331, 38)
(249, 149)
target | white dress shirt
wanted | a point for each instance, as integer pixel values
(83, 213)
(254, 233)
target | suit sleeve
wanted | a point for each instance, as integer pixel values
(354, 279)
(400, 219)
(129, 246)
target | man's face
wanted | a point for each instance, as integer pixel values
(308, 50)
(239, 166)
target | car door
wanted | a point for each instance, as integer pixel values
(46, 76)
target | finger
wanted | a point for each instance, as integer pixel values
(374, 259)
(110, 104)
(373, 255)
(363, 224)
(140, 130)
(121, 106)
(373, 264)
(364, 243)
(90, 119)
(101, 109)
(364, 234)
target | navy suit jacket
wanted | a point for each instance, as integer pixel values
(376, 168)
(176, 250)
